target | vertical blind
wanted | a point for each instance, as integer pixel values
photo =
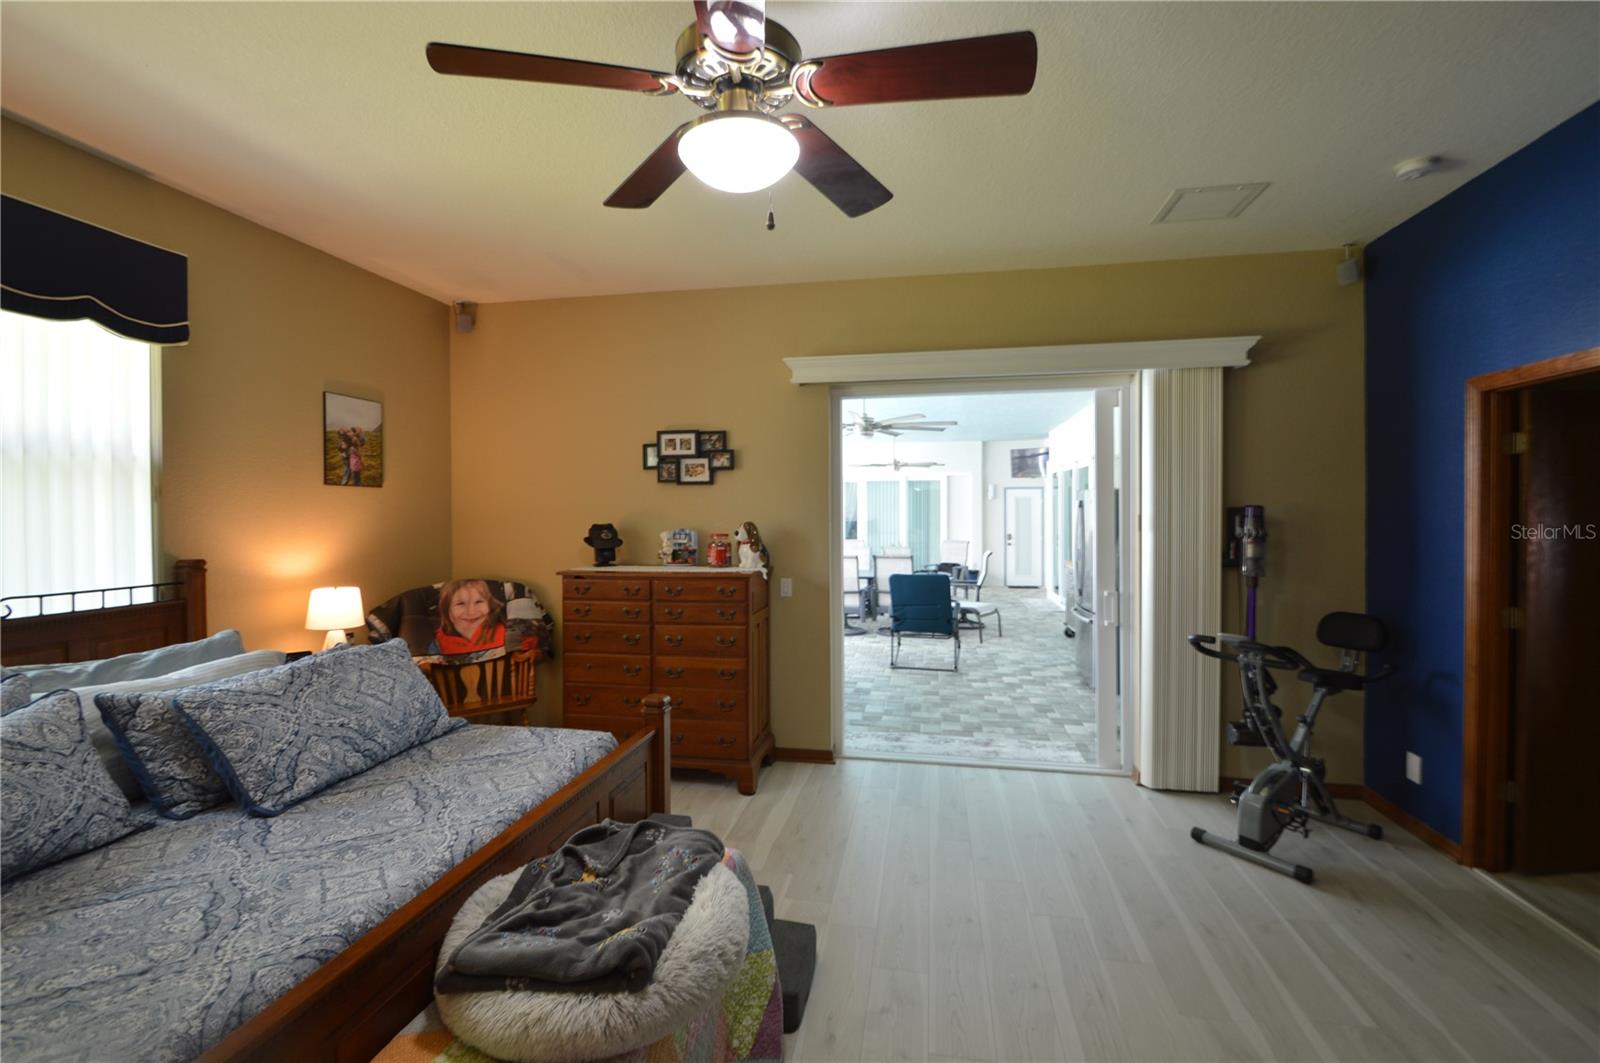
(75, 459)
(922, 521)
(883, 515)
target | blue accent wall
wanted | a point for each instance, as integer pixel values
(1503, 271)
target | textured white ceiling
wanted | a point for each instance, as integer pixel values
(323, 121)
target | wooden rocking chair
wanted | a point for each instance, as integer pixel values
(501, 690)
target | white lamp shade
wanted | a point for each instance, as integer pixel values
(334, 608)
(738, 151)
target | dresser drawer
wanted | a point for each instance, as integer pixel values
(606, 701)
(708, 740)
(702, 641)
(700, 590)
(700, 613)
(606, 612)
(673, 672)
(577, 588)
(606, 668)
(724, 705)
(606, 638)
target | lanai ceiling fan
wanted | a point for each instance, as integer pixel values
(865, 426)
(896, 464)
(743, 69)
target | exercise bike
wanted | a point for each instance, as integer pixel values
(1289, 793)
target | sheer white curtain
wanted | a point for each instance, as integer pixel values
(75, 460)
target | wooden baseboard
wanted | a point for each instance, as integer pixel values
(804, 756)
(1413, 824)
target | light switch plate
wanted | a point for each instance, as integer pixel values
(786, 587)
(1414, 768)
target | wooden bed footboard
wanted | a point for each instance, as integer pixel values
(351, 1006)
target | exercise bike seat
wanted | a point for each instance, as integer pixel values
(1332, 680)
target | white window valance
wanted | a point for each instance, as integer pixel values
(1001, 362)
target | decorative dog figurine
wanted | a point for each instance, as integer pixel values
(753, 556)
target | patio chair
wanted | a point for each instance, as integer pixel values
(855, 602)
(885, 567)
(920, 606)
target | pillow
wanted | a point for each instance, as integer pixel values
(279, 736)
(141, 665)
(153, 753)
(15, 692)
(56, 799)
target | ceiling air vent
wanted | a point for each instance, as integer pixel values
(1209, 204)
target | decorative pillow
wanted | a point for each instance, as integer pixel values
(279, 736)
(142, 665)
(56, 799)
(15, 692)
(118, 762)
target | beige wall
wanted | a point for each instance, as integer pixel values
(551, 401)
(274, 323)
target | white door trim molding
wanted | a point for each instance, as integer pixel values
(1000, 362)
(1180, 720)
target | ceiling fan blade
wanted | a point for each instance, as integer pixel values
(906, 417)
(917, 428)
(468, 61)
(831, 171)
(1001, 65)
(925, 424)
(653, 176)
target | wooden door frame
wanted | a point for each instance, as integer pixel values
(1485, 711)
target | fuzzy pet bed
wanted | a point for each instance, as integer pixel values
(715, 990)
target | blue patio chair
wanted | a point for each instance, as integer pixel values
(920, 606)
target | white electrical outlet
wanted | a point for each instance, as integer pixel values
(1414, 768)
(786, 587)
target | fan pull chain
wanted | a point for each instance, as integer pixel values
(772, 221)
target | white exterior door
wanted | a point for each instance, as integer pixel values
(1024, 536)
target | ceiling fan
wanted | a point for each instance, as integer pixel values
(897, 464)
(742, 69)
(866, 427)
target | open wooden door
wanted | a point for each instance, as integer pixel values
(1555, 712)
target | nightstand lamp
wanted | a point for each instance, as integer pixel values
(335, 610)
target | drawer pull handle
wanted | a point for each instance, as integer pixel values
(630, 669)
(630, 611)
(726, 704)
(630, 702)
(673, 640)
(678, 739)
(727, 640)
(674, 673)
(727, 673)
(581, 589)
(582, 699)
(727, 591)
(632, 590)
(724, 741)
(632, 640)
(673, 592)
(581, 610)
(726, 614)
(581, 636)
(672, 613)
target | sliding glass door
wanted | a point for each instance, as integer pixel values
(883, 516)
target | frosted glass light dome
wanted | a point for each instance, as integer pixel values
(738, 151)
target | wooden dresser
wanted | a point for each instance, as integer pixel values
(698, 635)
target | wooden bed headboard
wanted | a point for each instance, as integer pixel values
(91, 630)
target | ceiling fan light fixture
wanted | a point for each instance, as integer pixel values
(738, 151)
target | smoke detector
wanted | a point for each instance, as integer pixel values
(1421, 166)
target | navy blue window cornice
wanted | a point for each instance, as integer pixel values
(58, 267)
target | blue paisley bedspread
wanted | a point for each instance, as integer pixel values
(157, 946)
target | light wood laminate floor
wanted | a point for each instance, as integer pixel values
(984, 914)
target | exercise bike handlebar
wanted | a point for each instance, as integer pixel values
(1283, 658)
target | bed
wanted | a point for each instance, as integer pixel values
(310, 934)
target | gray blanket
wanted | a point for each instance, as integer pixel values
(591, 917)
